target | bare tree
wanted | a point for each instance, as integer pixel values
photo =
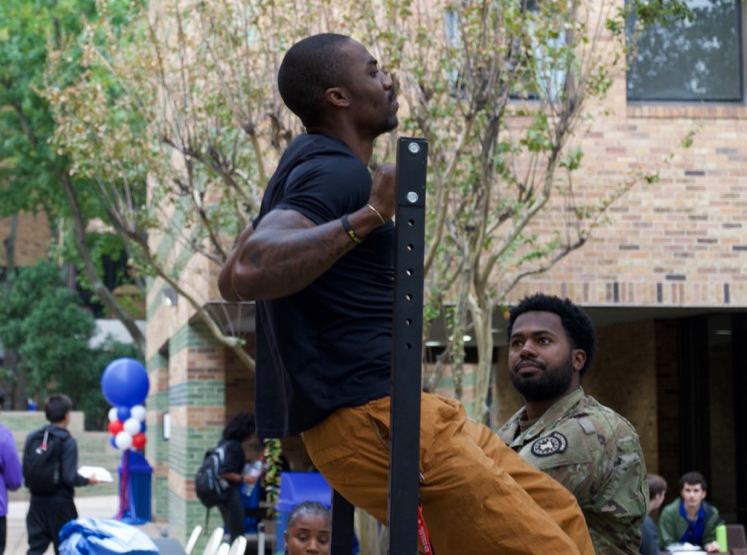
(502, 90)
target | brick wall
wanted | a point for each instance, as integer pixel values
(32, 238)
(680, 241)
(157, 448)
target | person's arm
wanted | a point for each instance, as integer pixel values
(286, 252)
(667, 528)
(709, 534)
(69, 474)
(649, 541)
(11, 465)
(239, 478)
(233, 464)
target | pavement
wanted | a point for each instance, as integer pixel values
(100, 506)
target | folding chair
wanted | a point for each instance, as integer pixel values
(212, 545)
(735, 537)
(238, 547)
(223, 549)
(192, 541)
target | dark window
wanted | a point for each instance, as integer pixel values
(698, 60)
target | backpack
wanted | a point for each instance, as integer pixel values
(209, 486)
(42, 462)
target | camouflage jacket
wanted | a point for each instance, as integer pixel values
(596, 454)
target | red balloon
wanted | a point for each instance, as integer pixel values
(138, 440)
(115, 426)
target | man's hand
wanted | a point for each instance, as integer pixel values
(383, 190)
(712, 547)
(92, 480)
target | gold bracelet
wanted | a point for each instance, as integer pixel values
(378, 214)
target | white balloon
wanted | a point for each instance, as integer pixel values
(113, 414)
(123, 440)
(131, 426)
(138, 413)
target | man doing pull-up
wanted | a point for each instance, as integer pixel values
(319, 261)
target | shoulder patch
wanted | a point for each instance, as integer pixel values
(549, 445)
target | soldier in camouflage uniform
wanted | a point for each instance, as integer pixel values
(587, 447)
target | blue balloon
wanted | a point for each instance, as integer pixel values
(112, 442)
(123, 413)
(142, 427)
(125, 383)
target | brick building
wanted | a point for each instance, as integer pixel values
(32, 238)
(665, 282)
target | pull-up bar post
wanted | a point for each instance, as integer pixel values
(407, 331)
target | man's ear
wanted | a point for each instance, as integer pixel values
(578, 359)
(337, 96)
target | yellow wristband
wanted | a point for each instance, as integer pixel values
(350, 231)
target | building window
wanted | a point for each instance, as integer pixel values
(691, 61)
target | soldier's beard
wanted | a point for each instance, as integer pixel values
(550, 384)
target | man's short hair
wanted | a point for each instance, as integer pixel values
(693, 479)
(656, 485)
(56, 407)
(309, 68)
(577, 325)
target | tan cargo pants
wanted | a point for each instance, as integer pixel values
(478, 496)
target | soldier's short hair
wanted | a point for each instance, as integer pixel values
(656, 485)
(693, 478)
(577, 325)
(309, 68)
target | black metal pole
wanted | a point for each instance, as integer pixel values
(404, 473)
(342, 525)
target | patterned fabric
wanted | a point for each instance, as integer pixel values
(596, 454)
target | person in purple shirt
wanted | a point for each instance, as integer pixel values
(10, 473)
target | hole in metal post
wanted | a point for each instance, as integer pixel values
(411, 222)
(408, 346)
(408, 321)
(410, 247)
(408, 272)
(408, 297)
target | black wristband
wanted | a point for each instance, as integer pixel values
(350, 231)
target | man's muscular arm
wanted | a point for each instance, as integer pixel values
(287, 251)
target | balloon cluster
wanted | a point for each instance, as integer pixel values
(125, 385)
(127, 426)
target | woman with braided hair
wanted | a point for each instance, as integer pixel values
(309, 530)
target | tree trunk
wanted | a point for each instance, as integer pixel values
(99, 289)
(18, 400)
(10, 246)
(482, 318)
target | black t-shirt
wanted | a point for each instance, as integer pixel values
(234, 458)
(329, 345)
